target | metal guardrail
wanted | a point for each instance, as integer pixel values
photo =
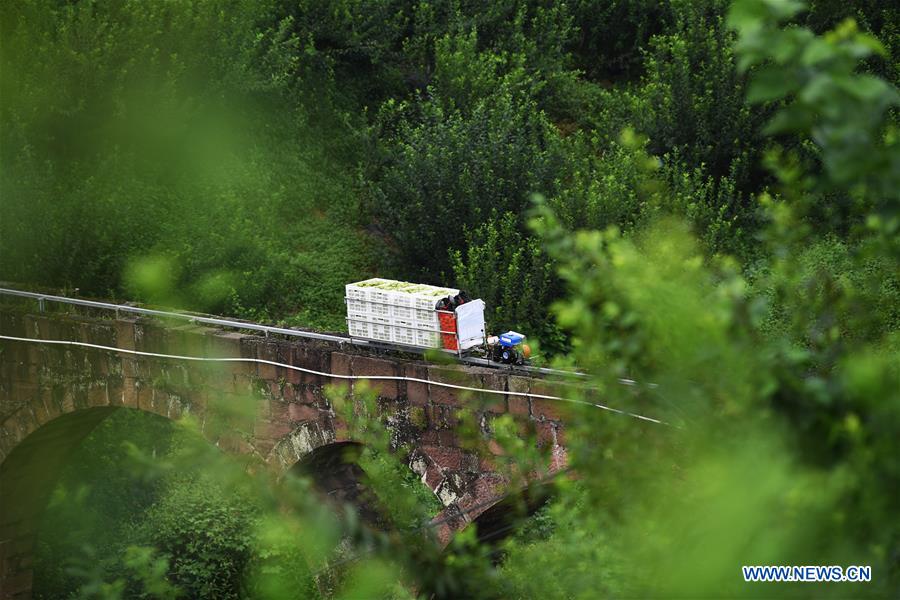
(125, 308)
(266, 329)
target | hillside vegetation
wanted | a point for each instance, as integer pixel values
(251, 158)
(702, 194)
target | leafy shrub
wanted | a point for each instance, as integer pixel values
(114, 154)
(724, 218)
(450, 171)
(207, 534)
(613, 34)
(693, 96)
(880, 18)
(514, 277)
(606, 188)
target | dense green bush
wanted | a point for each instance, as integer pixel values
(692, 94)
(882, 19)
(450, 171)
(235, 143)
(342, 55)
(206, 532)
(785, 420)
(137, 132)
(514, 277)
(605, 187)
(725, 219)
(611, 35)
(690, 105)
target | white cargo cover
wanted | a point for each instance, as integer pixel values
(470, 324)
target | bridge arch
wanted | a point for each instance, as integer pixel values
(28, 475)
(51, 399)
(335, 472)
(504, 518)
(496, 509)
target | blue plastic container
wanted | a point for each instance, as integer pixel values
(511, 338)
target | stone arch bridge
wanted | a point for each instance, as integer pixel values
(52, 396)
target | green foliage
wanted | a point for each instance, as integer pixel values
(206, 532)
(609, 188)
(867, 285)
(746, 394)
(569, 547)
(134, 131)
(724, 218)
(513, 276)
(151, 570)
(775, 370)
(171, 517)
(810, 72)
(95, 499)
(383, 465)
(532, 37)
(612, 34)
(228, 144)
(355, 44)
(877, 17)
(693, 95)
(450, 171)
(690, 105)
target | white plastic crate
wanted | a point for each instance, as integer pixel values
(404, 323)
(354, 292)
(356, 305)
(430, 339)
(357, 316)
(379, 320)
(364, 307)
(404, 335)
(398, 293)
(427, 302)
(425, 316)
(403, 312)
(381, 332)
(431, 323)
(359, 328)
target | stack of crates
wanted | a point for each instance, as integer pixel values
(395, 311)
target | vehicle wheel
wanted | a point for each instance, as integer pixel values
(510, 356)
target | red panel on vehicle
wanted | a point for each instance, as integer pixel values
(448, 324)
